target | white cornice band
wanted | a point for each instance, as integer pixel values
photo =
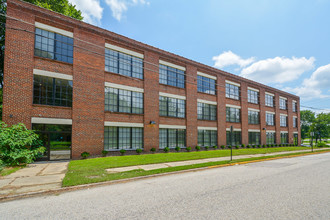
(172, 95)
(283, 114)
(53, 121)
(270, 131)
(284, 132)
(267, 112)
(233, 106)
(271, 94)
(123, 50)
(253, 130)
(172, 65)
(123, 124)
(118, 86)
(206, 102)
(253, 89)
(281, 97)
(233, 83)
(235, 129)
(253, 109)
(52, 74)
(206, 75)
(53, 29)
(294, 101)
(172, 126)
(208, 128)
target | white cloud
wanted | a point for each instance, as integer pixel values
(118, 7)
(278, 69)
(91, 10)
(312, 87)
(229, 58)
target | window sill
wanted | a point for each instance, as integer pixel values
(56, 61)
(128, 77)
(124, 113)
(51, 106)
(172, 86)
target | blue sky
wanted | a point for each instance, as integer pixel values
(283, 44)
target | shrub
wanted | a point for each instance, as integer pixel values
(177, 148)
(2, 165)
(264, 146)
(85, 155)
(18, 145)
(222, 146)
(259, 146)
(269, 145)
(206, 147)
(166, 149)
(247, 146)
(188, 149)
(153, 150)
(253, 146)
(104, 153)
(321, 144)
(273, 145)
(237, 146)
(122, 152)
(198, 148)
(139, 151)
(229, 147)
(243, 145)
(215, 147)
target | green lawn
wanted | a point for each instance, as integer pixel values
(93, 170)
(9, 170)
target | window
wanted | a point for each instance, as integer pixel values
(283, 121)
(171, 76)
(254, 138)
(236, 139)
(206, 111)
(270, 138)
(284, 138)
(233, 114)
(171, 107)
(123, 64)
(283, 103)
(172, 138)
(295, 122)
(232, 91)
(294, 106)
(207, 138)
(53, 46)
(205, 85)
(269, 100)
(270, 119)
(118, 100)
(52, 91)
(253, 96)
(117, 138)
(253, 117)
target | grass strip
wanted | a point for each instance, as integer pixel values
(9, 170)
(93, 170)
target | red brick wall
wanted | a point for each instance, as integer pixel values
(88, 73)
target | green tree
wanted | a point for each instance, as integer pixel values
(307, 118)
(60, 6)
(321, 126)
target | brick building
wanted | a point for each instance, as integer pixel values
(84, 88)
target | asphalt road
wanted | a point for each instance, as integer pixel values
(295, 188)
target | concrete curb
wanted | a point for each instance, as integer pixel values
(87, 186)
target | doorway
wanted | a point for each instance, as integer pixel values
(56, 139)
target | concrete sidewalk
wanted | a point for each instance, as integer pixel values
(33, 178)
(199, 161)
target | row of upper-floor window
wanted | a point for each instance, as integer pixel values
(58, 92)
(116, 138)
(59, 47)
